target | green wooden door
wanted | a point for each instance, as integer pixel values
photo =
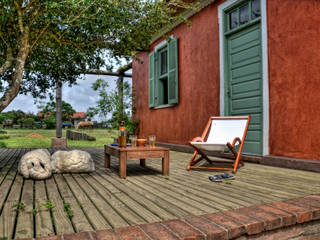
(243, 83)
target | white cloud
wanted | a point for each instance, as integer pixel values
(80, 96)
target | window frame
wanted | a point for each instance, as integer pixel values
(158, 50)
(236, 7)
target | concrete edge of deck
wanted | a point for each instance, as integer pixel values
(271, 160)
(297, 218)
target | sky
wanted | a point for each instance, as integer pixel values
(80, 96)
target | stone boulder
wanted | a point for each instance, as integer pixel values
(75, 161)
(35, 164)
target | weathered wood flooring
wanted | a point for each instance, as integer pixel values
(69, 203)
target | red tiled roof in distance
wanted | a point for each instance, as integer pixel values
(79, 115)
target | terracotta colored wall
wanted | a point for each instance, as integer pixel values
(198, 83)
(294, 80)
(294, 77)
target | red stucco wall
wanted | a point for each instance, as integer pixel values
(198, 83)
(294, 78)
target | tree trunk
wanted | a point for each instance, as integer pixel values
(59, 110)
(16, 79)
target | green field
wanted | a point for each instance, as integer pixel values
(18, 138)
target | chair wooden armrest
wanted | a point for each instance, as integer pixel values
(235, 141)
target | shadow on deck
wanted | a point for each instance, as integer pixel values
(69, 203)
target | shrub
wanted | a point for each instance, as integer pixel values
(50, 122)
(28, 120)
(4, 116)
(4, 136)
(3, 145)
(132, 126)
(91, 138)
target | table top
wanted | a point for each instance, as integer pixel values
(129, 149)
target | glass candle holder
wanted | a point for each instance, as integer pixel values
(133, 140)
(152, 141)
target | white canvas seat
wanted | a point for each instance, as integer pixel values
(220, 133)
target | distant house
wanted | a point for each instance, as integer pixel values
(78, 117)
(239, 57)
(43, 115)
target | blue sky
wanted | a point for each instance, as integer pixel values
(80, 96)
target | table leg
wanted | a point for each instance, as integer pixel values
(165, 163)
(106, 160)
(142, 162)
(123, 165)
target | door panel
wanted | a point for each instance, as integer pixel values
(244, 82)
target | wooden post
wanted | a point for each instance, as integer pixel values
(59, 109)
(120, 94)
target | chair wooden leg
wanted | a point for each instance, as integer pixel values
(194, 161)
(204, 156)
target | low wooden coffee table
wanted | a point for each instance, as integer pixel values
(129, 153)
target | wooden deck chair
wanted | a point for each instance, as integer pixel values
(220, 133)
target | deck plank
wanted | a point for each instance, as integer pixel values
(112, 216)
(4, 157)
(191, 191)
(61, 221)
(142, 199)
(128, 214)
(188, 194)
(7, 178)
(223, 191)
(24, 228)
(9, 212)
(78, 219)
(10, 163)
(43, 222)
(135, 206)
(170, 207)
(10, 195)
(102, 200)
(96, 219)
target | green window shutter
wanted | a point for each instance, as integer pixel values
(151, 79)
(173, 71)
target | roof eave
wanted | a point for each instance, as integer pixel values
(186, 14)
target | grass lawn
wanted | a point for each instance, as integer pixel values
(18, 138)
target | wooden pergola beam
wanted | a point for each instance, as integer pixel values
(121, 72)
(121, 75)
(101, 72)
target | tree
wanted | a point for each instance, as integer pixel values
(91, 112)
(45, 41)
(108, 101)
(49, 109)
(120, 108)
(18, 114)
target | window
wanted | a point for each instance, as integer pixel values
(244, 13)
(234, 19)
(163, 74)
(256, 12)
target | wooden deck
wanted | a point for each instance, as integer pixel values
(69, 203)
